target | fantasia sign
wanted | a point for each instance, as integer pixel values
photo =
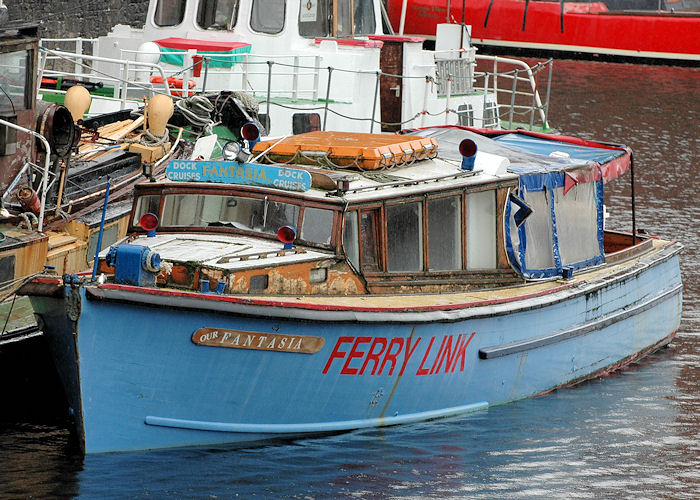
(232, 172)
(218, 337)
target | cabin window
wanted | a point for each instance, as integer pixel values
(149, 204)
(351, 239)
(110, 235)
(481, 230)
(313, 18)
(344, 25)
(405, 237)
(465, 112)
(578, 238)
(445, 233)
(7, 268)
(267, 16)
(169, 12)
(259, 283)
(15, 87)
(490, 115)
(538, 231)
(305, 122)
(250, 214)
(317, 225)
(352, 17)
(369, 259)
(363, 17)
(277, 214)
(217, 14)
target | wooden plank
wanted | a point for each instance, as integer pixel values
(60, 239)
(124, 131)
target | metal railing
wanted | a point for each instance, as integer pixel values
(513, 83)
(521, 89)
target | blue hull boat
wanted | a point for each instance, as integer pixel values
(211, 332)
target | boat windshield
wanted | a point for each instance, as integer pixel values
(260, 215)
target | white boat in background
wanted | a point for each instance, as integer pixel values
(316, 65)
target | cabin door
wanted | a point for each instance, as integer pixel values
(390, 87)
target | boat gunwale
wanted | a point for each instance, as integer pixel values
(293, 309)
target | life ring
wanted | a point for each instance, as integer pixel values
(173, 82)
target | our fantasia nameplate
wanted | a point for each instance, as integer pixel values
(217, 337)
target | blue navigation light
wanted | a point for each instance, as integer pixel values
(467, 148)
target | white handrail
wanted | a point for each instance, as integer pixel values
(120, 62)
(531, 78)
(46, 166)
(295, 70)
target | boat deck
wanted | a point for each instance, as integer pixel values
(454, 300)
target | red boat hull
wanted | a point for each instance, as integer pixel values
(587, 27)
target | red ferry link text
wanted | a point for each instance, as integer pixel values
(379, 355)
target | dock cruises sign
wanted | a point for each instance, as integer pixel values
(218, 337)
(232, 172)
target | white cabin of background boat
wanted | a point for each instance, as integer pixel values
(311, 65)
(316, 17)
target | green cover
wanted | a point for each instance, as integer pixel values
(216, 59)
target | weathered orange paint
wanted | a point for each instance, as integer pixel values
(180, 275)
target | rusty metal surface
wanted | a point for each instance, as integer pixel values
(391, 63)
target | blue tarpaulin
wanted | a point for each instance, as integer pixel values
(546, 146)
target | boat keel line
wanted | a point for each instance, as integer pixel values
(341, 425)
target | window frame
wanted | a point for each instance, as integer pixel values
(271, 33)
(301, 203)
(25, 53)
(331, 23)
(379, 239)
(183, 3)
(383, 275)
(462, 233)
(385, 229)
(231, 24)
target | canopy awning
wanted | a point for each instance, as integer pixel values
(532, 152)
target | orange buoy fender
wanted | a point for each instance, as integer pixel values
(173, 82)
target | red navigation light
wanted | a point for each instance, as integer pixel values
(287, 235)
(467, 148)
(250, 132)
(149, 222)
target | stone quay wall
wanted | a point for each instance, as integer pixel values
(77, 18)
